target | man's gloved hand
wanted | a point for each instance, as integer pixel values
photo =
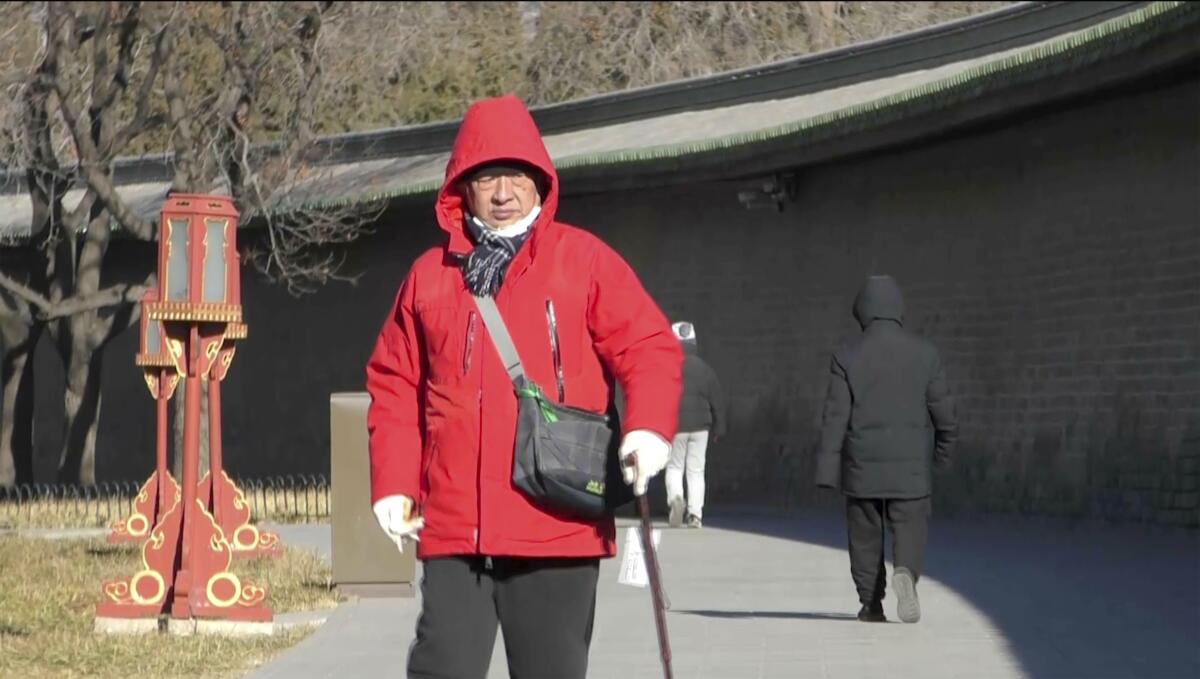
(394, 514)
(650, 452)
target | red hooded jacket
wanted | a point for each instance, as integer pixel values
(443, 413)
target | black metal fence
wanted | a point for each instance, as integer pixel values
(294, 498)
(300, 498)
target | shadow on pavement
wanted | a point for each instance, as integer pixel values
(1073, 598)
(782, 615)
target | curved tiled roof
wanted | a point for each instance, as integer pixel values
(369, 167)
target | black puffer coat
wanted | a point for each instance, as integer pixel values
(888, 415)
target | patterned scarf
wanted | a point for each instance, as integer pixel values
(485, 266)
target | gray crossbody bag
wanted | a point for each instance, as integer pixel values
(564, 459)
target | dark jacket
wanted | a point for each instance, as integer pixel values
(888, 414)
(702, 405)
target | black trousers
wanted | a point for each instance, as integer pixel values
(866, 520)
(545, 607)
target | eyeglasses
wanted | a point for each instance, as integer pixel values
(489, 178)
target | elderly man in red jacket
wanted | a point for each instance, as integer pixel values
(443, 412)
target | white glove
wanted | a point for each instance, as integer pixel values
(650, 452)
(394, 514)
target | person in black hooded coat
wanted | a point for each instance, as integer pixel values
(888, 421)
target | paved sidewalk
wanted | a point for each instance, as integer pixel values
(760, 595)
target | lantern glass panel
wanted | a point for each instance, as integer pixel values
(177, 261)
(153, 345)
(214, 260)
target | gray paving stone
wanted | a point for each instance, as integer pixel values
(759, 595)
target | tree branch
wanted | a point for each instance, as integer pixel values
(90, 162)
(116, 83)
(116, 295)
(74, 219)
(181, 131)
(123, 293)
(303, 111)
(20, 314)
(142, 121)
(25, 293)
(43, 174)
(92, 165)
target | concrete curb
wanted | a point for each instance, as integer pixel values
(283, 622)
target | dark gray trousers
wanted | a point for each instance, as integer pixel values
(545, 607)
(866, 521)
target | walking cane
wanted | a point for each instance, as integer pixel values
(656, 590)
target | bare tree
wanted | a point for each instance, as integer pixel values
(231, 88)
(237, 94)
(414, 62)
(66, 294)
(20, 328)
(252, 131)
(19, 334)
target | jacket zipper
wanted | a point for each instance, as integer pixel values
(469, 347)
(555, 352)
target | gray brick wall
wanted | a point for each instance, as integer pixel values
(1054, 260)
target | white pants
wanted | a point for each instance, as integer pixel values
(687, 455)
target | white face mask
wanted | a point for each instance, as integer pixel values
(512, 229)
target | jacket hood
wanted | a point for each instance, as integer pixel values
(493, 130)
(879, 299)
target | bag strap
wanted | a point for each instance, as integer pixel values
(500, 337)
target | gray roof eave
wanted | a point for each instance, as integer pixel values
(1053, 58)
(807, 121)
(1020, 24)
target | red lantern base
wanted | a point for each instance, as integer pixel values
(209, 590)
(146, 594)
(232, 513)
(214, 591)
(149, 507)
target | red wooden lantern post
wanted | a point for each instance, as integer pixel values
(187, 556)
(160, 492)
(223, 498)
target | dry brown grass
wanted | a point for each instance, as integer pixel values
(49, 588)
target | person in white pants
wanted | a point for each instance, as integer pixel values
(701, 411)
(687, 458)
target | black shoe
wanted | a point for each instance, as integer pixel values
(872, 613)
(905, 587)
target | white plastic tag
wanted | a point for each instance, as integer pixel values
(633, 563)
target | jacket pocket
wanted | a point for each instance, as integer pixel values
(442, 327)
(555, 350)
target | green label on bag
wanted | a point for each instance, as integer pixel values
(595, 487)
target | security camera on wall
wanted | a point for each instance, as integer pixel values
(771, 192)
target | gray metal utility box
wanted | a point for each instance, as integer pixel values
(366, 562)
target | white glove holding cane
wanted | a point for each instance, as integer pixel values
(650, 452)
(394, 514)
